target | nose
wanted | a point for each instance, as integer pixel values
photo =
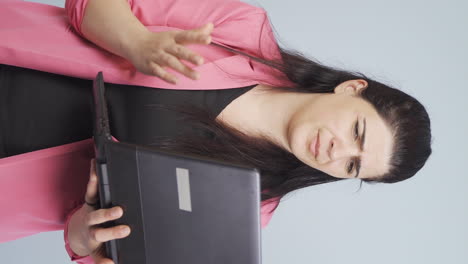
(339, 149)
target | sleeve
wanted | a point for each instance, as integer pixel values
(181, 14)
(266, 211)
(71, 254)
(236, 24)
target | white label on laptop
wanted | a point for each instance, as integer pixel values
(183, 189)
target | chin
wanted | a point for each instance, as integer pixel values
(303, 156)
(299, 145)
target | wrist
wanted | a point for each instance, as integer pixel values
(111, 25)
(131, 43)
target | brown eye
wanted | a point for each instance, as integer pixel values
(350, 166)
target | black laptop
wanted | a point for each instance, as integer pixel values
(182, 209)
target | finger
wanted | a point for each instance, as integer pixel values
(103, 215)
(98, 259)
(199, 35)
(184, 53)
(205, 29)
(101, 260)
(174, 63)
(99, 256)
(105, 234)
(92, 188)
(169, 60)
(190, 37)
(162, 73)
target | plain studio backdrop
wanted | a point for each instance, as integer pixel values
(417, 46)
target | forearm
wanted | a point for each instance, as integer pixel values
(111, 25)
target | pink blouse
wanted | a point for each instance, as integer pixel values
(37, 198)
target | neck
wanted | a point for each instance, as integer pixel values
(265, 113)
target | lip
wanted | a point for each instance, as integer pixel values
(314, 146)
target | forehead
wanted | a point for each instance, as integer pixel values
(378, 143)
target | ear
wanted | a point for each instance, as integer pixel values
(351, 87)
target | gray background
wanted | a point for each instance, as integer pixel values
(417, 46)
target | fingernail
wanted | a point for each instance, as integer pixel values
(124, 230)
(116, 212)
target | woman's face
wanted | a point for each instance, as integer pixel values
(351, 137)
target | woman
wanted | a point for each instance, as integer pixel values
(331, 124)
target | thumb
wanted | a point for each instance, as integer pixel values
(99, 255)
(92, 188)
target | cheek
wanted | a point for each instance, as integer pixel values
(300, 131)
(297, 125)
(338, 118)
(335, 169)
(299, 135)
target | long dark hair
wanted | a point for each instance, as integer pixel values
(281, 172)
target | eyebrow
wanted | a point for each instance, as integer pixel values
(358, 160)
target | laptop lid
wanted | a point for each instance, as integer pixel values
(181, 208)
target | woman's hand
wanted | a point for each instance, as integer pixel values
(85, 238)
(112, 25)
(156, 50)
